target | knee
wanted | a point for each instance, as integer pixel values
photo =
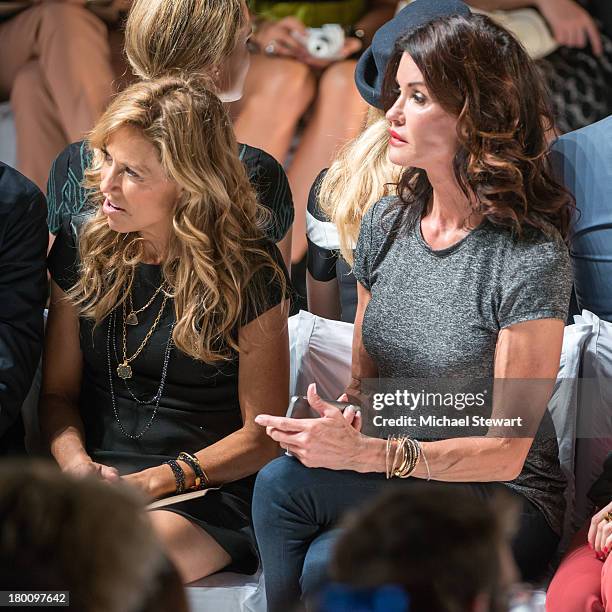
(338, 81)
(28, 85)
(315, 571)
(291, 81)
(60, 17)
(273, 486)
(315, 574)
(576, 586)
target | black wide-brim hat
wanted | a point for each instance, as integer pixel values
(371, 67)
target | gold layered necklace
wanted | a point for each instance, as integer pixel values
(132, 318)
(124, 369)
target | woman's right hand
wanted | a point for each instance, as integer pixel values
(600, 532)
(281, 38)
(82, 468)
(571, 24)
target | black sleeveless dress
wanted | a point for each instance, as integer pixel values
(199, 405)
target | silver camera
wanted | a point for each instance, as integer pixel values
(325, 42)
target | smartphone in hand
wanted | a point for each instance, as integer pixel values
(299, 408)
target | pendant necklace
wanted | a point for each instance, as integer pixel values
(124, 369)
(155, 400)
(132, 318)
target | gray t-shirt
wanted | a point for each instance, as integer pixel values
(437, 314)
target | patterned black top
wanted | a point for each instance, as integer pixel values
(66, 195)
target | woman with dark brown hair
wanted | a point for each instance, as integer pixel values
(463, 277)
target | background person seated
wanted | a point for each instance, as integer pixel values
(285, 80)
(579, 72)
(58, 533)
(57, 70)
(23, 292)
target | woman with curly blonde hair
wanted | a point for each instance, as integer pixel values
(464, 282)
(167, 328)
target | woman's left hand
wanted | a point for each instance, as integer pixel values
(152, 482)
(600, 532)
(332, 441)
(571, 24)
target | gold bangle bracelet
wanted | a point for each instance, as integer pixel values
(387, 470)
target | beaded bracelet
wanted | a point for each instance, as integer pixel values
(179, 475)
(201, 479)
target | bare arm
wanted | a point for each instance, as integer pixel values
(571, 24)
(529, 350)
(323, 297)
(362, 365)
(263, 386)
(525, 351)
(60, 419)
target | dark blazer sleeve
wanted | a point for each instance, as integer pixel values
(23, 289)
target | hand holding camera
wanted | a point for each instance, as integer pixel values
(328, 44)
(317, 47)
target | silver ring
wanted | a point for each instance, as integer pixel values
(270, 48)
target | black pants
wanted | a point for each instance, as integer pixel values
(296, 510)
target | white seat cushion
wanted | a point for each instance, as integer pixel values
(228, 592)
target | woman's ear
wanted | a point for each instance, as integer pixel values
(181, 201)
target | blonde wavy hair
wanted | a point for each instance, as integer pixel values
(190, 36)
(359, 177)
(216, 251)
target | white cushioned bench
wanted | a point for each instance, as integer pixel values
(228, 592)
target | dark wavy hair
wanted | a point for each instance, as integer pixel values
(478, 72)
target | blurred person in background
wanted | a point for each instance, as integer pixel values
(59, 533)
(285, 82)
(397, 541)
(193, 37)
(57, 70)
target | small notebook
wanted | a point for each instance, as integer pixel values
(175, 499)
